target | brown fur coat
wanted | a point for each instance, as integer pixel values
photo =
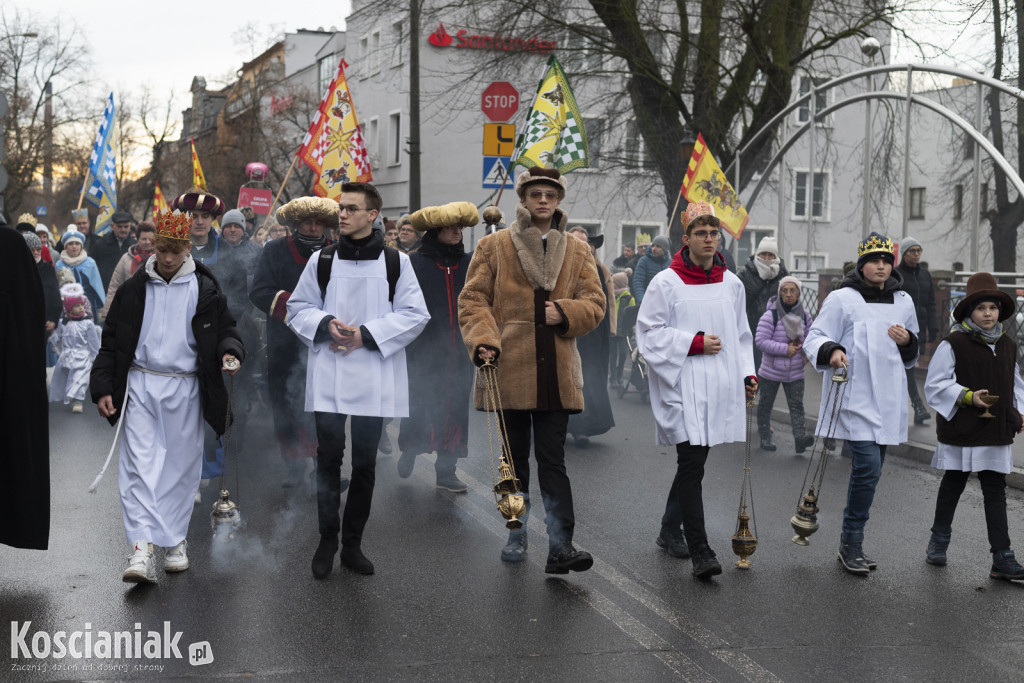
(498, 308)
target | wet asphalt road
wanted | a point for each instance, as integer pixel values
(442, 606)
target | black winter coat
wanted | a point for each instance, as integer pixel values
(106, 253)
(917, 282)
(51, 291)
(212, 326)
(758, 290)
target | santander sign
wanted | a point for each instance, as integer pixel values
(465, 39)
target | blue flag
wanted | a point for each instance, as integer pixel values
(102, 179)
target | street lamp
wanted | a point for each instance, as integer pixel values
(869, 47)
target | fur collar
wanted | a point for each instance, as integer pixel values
(541, 266)
(187, 268)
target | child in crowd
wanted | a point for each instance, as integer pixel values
(976, 361)
(780, 335)
(77, 342)
(623, 300)
(869, 325)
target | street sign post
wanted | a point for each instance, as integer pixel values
(499, 139)
(500, 101)
(495, 170)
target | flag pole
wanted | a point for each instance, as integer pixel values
(671, 215)
(283, 183)
(81, 195)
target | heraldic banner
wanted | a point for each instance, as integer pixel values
(705, 182)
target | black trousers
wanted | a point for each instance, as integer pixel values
(549, 429)
(993, 488)
(685, 505)
(330, 433)
(617, 361)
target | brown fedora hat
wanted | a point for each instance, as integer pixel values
(984, 286)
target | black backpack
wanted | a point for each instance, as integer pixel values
(323, 269)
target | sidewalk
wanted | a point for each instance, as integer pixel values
(920, 445)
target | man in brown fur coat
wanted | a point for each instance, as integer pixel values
(530, 291)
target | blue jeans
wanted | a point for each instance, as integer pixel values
(865, 472)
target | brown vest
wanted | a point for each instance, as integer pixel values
(977, 367)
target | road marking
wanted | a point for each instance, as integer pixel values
(678, 662)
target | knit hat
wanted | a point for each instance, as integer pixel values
(874, 246)
(982, 286)
(198, 200)
(42, 228)
(661, 241)
(789, 279)
(32, 240)
(72, 295)
(458, 214)
(908, 243)
(620, 281)
(537, 175)
(309, 208)
(233, 217)
(72, 235)
(768, 244)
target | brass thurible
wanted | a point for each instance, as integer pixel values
(805, 521)
(744, 543)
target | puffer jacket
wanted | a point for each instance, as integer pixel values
(772, 340)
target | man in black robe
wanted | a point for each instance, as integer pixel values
(24, 420)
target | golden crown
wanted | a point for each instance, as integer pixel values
(175, 226)
(875, 243)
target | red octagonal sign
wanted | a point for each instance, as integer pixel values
(500, 101)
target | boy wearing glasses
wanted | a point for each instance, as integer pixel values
(692, 331)
(356, 329)
(530, 291)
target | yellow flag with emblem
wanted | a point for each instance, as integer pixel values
(705, 182)
(554, 133)
(198, 179)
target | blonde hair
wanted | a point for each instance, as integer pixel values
(161, 243)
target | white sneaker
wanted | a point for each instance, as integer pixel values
(76, 407)
(141, 568)
(175, 559)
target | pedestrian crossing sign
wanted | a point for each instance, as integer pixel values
(495, 171)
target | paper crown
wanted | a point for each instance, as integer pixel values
(695, 210)
(76, 214)
(643, 239)
(28, 219)
(175, 226)
(875, 243)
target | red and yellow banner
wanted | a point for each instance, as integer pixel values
(198, 179)
(334, 147)
(705, 181)
(159, 203)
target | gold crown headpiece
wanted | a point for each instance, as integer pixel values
(875, 243)
(175, 226)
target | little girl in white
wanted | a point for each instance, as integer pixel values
(77, 340)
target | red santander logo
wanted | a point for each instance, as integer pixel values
(440, 37)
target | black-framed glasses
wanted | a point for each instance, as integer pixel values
(706, 234)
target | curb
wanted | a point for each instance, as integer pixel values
(911, 450)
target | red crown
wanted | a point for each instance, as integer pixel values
(175, 226)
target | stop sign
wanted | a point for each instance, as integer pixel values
(500, 101)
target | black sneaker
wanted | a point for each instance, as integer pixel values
(1005, 566)
(406, 463)
(565, 558)
(852, 558)
(323, 558)
(921, 413)
(936, 553)
(353, 558)
(767, 445)
(803, 443)
(705, 564)
(450, 482)
(515, 549)
(673, 543)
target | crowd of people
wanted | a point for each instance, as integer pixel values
(334, 316)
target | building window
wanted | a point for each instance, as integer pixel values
(749, 240)
(818, 261)
(958, 202)
(374, 60)
(373, 141)
(395, 138)
(820, 98)
(636, 155)
(819, 196)
(917, 202)
(364, 57)
(984, 197)
(398, 50)
(580, 55)
(595, 135)
(326, 70)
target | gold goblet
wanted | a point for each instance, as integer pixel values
(989, 400)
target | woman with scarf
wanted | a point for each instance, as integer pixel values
(130, 262)
(75, 265)
(974, 362)
(761, 277)
(780, 335)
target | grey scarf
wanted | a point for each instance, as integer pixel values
(968, 326)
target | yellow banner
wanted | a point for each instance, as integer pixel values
(198, 179)
(705, 182)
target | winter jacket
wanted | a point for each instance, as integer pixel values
(623, 301)
(51, 291)
(771, 338)
(510, 278)
(758, 290)
(213, 329)
(917, 282)
(107, 252)
(646, 268)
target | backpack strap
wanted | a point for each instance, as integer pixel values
(393, 264)
(775, 318)
(323, 268)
